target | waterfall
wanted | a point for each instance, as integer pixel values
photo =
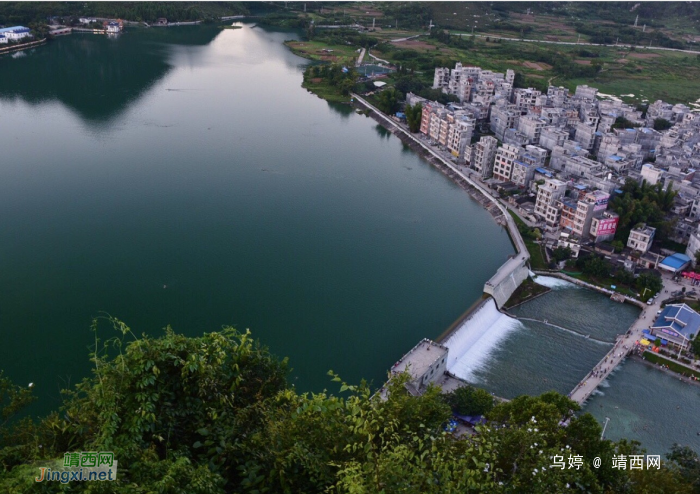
(554, 283)
(473, 342)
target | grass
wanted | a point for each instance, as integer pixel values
(326, 92)
(605, 283)
(537, 259)
(526, 291)
(675, 367)
(314, 50)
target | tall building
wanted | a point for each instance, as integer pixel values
(484, 154)
(503, 162)
(547, 194)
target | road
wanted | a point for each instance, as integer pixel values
(617, 45)
(359, 59)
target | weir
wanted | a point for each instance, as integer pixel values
(473, 341)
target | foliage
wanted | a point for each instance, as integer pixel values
(617, 245)
(695, 346)
(413, 116)
(594, 266)
(561, 253)
(643, 204)
(662, 124)
(467, 400)
(623, 123)
(214, 414)
(388, 100)
(649, 282)
(28, 12)
(341, 79)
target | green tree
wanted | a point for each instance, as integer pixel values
(413, 116)
(649, 281)
(388, 100)
(467, 400)
(662, 124)
(561, 253)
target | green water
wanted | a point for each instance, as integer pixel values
(182, 176)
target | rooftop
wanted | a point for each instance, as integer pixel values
(679, 318)
(419, 359)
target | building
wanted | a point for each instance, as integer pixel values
(425, 363)
(459, 136)
(651, 174)
(522, 173)
(678, 324)
(603, 227)
(547, 194)
(503, 162)
(503, 117)
(675, 263)
(641, 237)
(484, 154)
(113, 27)
(532, 127)
(15, 33)
(3, 39)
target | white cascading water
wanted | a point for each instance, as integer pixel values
(554, 283)
(473, 342)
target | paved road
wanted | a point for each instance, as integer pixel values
(359, 59)
(618, 45)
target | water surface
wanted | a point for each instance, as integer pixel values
(182, 176)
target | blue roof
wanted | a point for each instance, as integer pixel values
(15, 29)
(580, 187)
(615, 157)
(676, 261)
(518, 162)
(679, 318)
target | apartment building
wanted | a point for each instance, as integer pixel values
(503, 162)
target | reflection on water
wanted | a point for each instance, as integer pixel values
(95, 75)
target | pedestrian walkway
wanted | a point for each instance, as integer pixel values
(624, 344)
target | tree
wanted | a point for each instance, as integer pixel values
(414, 114)
(662, 124)
(561, 253)
(388, 100)
(650, 282)
(695, 346)
(657, 342)
(467, 400)
(618, 245)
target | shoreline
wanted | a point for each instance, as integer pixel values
(23, 46)
(600, 289)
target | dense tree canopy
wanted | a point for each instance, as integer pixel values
(643, 203)
(214, 414)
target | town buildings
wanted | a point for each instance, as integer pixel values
(569, 151)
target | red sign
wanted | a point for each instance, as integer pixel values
(607, 226)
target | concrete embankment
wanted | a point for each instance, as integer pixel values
(571, 279)
(21, 47)
(514, 271)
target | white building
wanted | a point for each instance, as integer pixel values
(503, 162)
(15, 33)
(641, 238)
(484, 154)
(547, 194)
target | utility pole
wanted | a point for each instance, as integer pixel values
(579, 39)
(644, 28)
(373, 19)
(304, 8)
(607, 419)
(635, 21)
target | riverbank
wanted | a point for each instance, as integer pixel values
(570, 279)
(21, 47)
